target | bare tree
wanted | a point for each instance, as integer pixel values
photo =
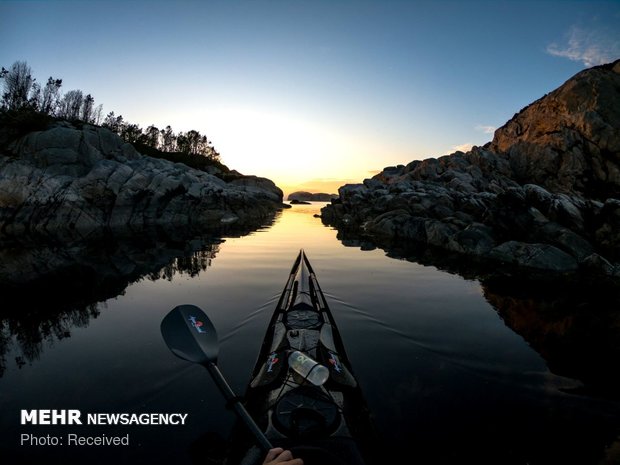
(18, 82)
(207, 149)
(151, 136)
(131, 133)
(97, 114)
(88, 108)
(114, 123)
(193, 141)
(51, 95)
(71, 105)
(182, 143)
(168, 139)
(34, 100)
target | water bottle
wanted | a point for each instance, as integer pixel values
(307, 367)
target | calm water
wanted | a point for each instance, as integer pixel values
(454, 371)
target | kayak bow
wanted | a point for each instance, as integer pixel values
(321, 422)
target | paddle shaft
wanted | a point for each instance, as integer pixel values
(240, 410)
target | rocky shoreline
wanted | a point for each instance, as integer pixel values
(80, 181)
(544, 195)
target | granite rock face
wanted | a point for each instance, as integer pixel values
(543, 195)
(569, 140)
(66, 179)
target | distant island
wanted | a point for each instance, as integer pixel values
(303, 196)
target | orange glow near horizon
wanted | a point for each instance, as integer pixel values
(295, 228)
(327, 186)
(296, 152)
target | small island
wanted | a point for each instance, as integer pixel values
(303, 196)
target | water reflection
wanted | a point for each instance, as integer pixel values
(54, 288)
(574, 326)
(447, 380)
(576, 331)
(441, 259)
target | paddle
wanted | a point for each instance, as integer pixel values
(190, 335)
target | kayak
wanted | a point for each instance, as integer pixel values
(303, 394)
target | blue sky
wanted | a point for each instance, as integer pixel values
(308, 91)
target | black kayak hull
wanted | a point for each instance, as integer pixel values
(325, 424)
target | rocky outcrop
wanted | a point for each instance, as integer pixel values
(81, 181)
(569, 140)
(303, 196)
(543, 195)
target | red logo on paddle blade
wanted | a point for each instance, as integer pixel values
(197, 324)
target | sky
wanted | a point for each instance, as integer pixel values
(314, 94)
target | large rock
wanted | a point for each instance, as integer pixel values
(84, 180)
(569, 140)
(537, 256)
(546, 189)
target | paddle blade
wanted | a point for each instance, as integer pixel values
(190, 335)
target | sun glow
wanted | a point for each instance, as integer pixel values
(273, 145)
(295, 152)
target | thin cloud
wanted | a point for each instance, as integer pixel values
(466, 147)
(587, 46)
(486, 129)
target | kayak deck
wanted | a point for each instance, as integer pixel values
(322, 424)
